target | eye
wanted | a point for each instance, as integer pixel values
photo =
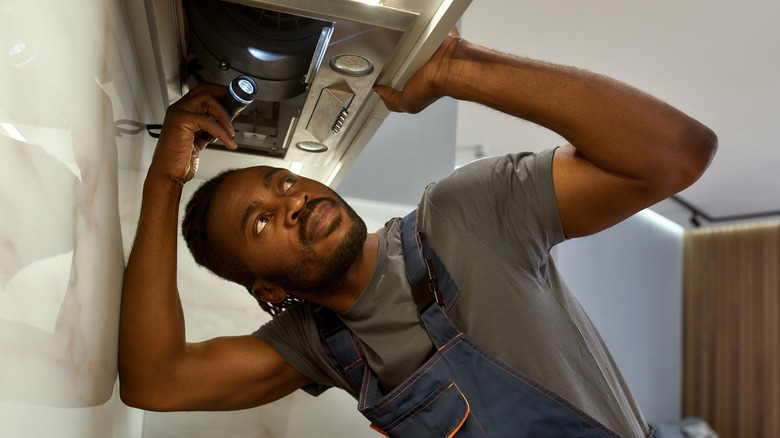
(287, 182)
(262, 221)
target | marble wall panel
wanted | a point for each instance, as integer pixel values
(67, 73)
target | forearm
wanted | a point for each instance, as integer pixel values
(158, 369)
(151, 325)
(617, 127)
(628, 149)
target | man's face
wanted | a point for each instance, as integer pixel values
(289, 230)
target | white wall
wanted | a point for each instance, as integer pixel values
(629, 280)
(408, 152)
(717, 60)
(66, 74)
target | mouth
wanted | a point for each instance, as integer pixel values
(321, 220)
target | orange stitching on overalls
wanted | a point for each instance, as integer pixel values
(403, 384)
(346, 374)
(526, 379)
(353, 364)
(429, 403)
(409, 381)
(478, 423)
(339, 370)
(465, 417)
(374, 426)
(427, 329)
(532, 383)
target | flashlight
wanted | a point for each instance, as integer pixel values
(241, 92)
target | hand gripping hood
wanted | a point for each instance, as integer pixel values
(313, 60)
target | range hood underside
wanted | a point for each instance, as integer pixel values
(353, 46)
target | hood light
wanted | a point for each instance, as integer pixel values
(351, 65)
(311, 146)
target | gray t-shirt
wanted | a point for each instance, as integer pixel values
(492, 223)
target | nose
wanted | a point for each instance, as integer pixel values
(295, 205)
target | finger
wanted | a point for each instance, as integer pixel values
(391, 98)
(215, 128)
(219, 114)
(210, 105)
(205, 98)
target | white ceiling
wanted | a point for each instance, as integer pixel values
(717, 60)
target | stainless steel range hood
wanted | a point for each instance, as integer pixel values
(314, 60)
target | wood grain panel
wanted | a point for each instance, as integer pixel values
(731, 333)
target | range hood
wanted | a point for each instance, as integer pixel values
(313, 60)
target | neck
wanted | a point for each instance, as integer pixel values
(341, 296)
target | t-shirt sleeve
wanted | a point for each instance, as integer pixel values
(294, 336)
(506, 202)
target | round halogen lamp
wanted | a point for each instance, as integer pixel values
(311, 146)
(351, 65)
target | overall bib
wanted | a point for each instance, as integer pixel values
(461, 390)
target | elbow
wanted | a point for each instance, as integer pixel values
(134, 397)
(697, 145)
(131, 387)
(140, 400)
(129, 395)
(131, 398)
(143, 396)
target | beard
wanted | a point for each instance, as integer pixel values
(322, 274)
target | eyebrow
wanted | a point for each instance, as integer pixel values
(255, 205)
(269, 176)
(250, 210)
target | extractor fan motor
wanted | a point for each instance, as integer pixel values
(276, 49)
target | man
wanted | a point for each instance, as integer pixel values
(491, 223)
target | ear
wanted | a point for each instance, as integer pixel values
(268, 292)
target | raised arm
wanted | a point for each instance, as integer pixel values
(158, 369)
(627, 150)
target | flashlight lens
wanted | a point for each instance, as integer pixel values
(247, 86)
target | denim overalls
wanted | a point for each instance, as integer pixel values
(461, 390)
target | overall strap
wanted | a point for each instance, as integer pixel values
(339, 346)
(430, 282)
(433, 289)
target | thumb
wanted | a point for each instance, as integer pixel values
(390, 97)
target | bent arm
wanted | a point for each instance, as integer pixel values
(628, 150)
(158, 369)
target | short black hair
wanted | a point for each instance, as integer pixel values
(195, 230)
(212, 256)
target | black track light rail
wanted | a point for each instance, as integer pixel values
(698, 214)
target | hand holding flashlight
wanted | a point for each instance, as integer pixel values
(241, 92)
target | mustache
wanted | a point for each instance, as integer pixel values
(306, 213)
